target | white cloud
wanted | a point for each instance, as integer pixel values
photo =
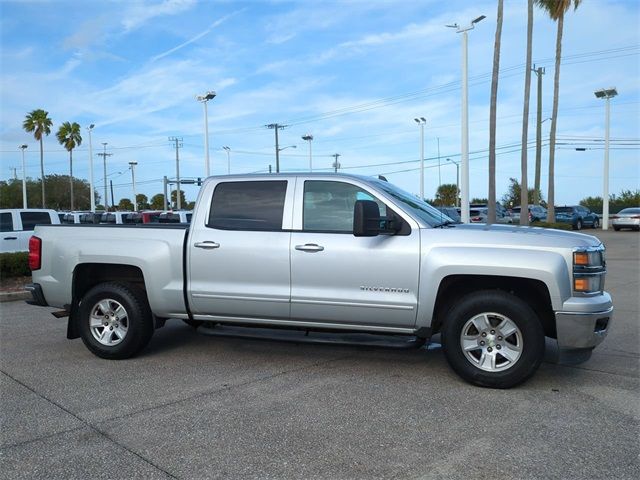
(142, 11)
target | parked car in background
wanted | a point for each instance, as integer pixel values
(536, 214)
(478, 215)
(627, 218)
(147, 216)
(91, 217)
(578, 216)
(502, 214)
(181, 216)
(70, 217)
(17, 224)
(452, 212)
(116, 218)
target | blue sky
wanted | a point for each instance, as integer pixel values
(352, 73)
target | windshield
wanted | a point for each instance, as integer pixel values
(564, 209)
(421, 209)
(630, 210)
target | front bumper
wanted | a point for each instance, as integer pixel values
(583, 326)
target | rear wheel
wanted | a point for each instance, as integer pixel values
(578, 225)
(115, 320)
(596, 223)
(617, 229)
(493, 339)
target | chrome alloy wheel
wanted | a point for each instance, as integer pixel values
(108, 322)
(491, 342)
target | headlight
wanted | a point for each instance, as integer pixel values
(589, 271)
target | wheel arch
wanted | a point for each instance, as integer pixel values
(88, 275)
(534, 292)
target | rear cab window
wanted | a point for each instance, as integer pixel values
(250, 206)
(31, 219)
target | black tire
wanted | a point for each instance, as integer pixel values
(138, 320)
(596, 223)
(518, 312)
(578, 225)
(617, 229)
(193, 323)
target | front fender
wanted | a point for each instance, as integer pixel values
(548, 267)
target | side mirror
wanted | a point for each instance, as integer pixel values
(366, 218)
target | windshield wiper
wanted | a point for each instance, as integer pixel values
(446, 223)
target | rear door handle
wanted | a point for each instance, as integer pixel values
(208, 245)
(10, 238)
(310, 247)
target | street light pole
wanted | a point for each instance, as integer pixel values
(24, 178)
(228, 149)
(133, 182)
(204, 99)
(457, 179)
(465, 118)
(336, 165)
(421, 121)
(607, 94)
(308, 137)
(91, 194)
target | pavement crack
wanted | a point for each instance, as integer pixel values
(87, 424)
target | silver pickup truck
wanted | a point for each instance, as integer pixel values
(330, 253)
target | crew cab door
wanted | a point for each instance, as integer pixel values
(339, 278)
(239, 250)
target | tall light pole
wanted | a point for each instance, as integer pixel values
(465, 118)
(607, 94)
(204, 99)
(421, 121)
(228, 149)
(457, 179)
(24, 177)
(308, 137)
(104, 156)
(93, 197)
(336, 164)
(275, 127)
(132, 166)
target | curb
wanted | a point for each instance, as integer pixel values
(14, 296)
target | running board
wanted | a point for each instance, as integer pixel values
(314, 337)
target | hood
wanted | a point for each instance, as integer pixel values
(481, 234)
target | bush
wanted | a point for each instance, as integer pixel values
(556, 225)
(14, 264)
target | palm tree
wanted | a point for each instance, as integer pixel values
(524, 197)
(556, 10)
(38, 122)
(69, 137)
(491, 213)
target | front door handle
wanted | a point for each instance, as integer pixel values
(10, 238)
(310, 247)
(208, 245)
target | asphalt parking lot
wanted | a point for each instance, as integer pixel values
(193, 406)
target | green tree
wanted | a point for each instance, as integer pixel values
(190, 206)
(57, 187)
(39, 123)
(556, 10)
(174, 199)
(142, 201)
(69, 137)
(626, 199)
(514, 195)
(125, 205)
(491, 213)
(157, 202)
(479, 200)
(446, 194)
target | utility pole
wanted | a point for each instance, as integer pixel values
(113, 200)
(276, 127)
(336, 165)
(91, 194)
(270, 169)
(421, 121)
(15, 172)
(607, 94)
(24, 178)
(104, 156)
(178, 142)
(536, 185)
(228, 149)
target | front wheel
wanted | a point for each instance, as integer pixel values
(493, 339)
(596, 223)
(115, 320)
(578, 225)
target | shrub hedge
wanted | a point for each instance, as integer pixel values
(14, 264)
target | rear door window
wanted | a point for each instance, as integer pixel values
(31, 219)
(255, 206)
(6, 222)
